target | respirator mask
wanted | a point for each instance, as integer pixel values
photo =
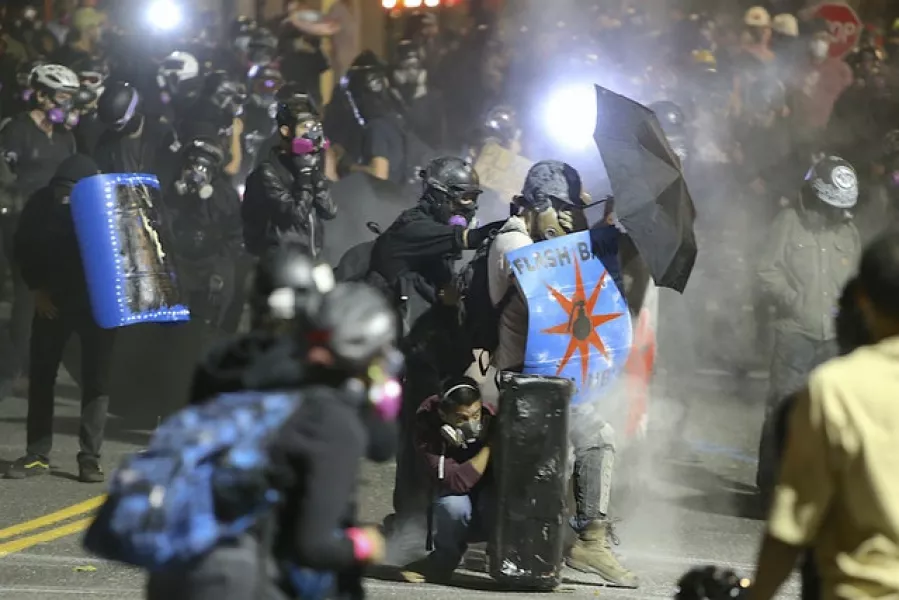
(307, 148)
(549, 218)
(201, 163)
(62, 111)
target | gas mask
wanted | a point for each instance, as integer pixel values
(410, 80)
(201, 163)
(61, 111)
(548, 220)
(307, 148)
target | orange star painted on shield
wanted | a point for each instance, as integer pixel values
(582, 323)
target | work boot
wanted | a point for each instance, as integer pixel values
(592, 553)
(28, 466)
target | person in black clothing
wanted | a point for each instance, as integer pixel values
(132, 142)
(259, 132)
(287, 196)
(344, 363)
(32, 146)
(93, 73)
(47, 251)
(207, 236)
(422, 106)
(300, 51)
(390, 150)
(220, 103)
(413, 258)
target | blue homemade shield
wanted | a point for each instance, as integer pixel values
(578, 325)
(130, 276)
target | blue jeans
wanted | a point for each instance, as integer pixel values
(458, 521)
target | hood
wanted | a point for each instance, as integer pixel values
(551, 179)
(252, 361)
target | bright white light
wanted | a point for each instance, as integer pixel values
(165, 15)
(432, 3)
(388, 3)
(412, 3)
(570, 116)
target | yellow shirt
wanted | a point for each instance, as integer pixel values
(839, 485)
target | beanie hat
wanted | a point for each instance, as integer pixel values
(74, 169)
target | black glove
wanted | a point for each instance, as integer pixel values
(478, 236)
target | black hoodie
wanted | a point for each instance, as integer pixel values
(316, 455)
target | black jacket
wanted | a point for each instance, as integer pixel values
(280, 207)
(110, 150)
(47, 252)
(206, 231)
(316, 455)
(416, 254)
(29, 158)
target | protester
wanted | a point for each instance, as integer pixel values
(48, 254)
(836, 483)
(452, 433)
(808, 257)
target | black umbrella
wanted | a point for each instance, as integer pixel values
(651, 198)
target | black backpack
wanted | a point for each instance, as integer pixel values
(478, 316)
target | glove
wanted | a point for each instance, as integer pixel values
(566, 220)
(478, 236)
(452, 436)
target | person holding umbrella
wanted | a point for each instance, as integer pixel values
(552, 204)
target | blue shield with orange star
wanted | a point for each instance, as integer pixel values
(578, 323)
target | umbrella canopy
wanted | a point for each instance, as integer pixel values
(651, 197)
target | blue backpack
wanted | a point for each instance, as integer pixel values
(203, 480)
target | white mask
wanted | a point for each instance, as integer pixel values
(819, 48)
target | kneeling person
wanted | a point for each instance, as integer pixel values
(451, 440)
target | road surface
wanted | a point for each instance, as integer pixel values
(696, 505)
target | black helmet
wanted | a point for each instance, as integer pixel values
(450, 177)
(294, 106)
(670, 117)
(833, 181)
(358, 326)
(288, 287)
(118, 105)
(711, 583)
(366, 88)
(224, 93)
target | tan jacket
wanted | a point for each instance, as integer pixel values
(803, 271)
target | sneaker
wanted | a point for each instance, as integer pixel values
(89, 471)
(28, 466)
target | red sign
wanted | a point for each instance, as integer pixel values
(844, 24)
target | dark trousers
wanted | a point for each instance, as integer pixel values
(48, 341)
(793, 358)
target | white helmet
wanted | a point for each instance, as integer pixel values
(177, 68)
(55, 78)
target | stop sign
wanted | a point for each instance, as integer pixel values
(844, 25)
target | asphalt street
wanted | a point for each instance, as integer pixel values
(695, 504)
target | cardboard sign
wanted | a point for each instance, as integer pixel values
(501, 170)
(579, 326)
(844, 25)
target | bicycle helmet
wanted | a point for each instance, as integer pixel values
(54, 78)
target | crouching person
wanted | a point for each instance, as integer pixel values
(452, 434)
